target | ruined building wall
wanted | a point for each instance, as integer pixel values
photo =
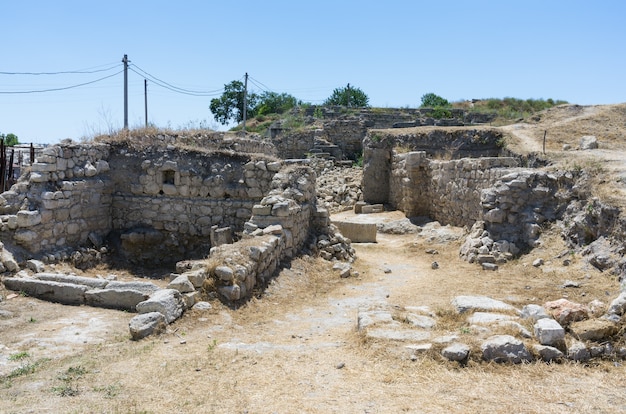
(279, 227)
(65, 199)
(157, 204)
(168, 201)
(447, 191)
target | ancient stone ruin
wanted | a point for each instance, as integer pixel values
(224, 211)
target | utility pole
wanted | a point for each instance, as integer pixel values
(145, 94)
(125, 61)
(245, 101)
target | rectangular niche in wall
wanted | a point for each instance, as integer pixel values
(169, 177)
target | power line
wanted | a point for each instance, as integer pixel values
(174, 88)
(79, 71)
(61, 88)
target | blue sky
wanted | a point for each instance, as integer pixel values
(395, 51)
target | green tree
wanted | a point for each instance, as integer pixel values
(430, 100)
(9, 139)
(275, 103)
(229, 107)
(348, 96)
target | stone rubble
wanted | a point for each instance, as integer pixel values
(490, 323)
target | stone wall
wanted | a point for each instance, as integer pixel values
(65, 199)
(402, 168)
(281, 223)
(446, 191)
(168, 201)
(156, 204)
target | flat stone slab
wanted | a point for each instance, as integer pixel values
(456, 352)
(391, 334)
(488, 318)
(465, 303)
(371, 317)
(92, 282)
(145, 287)
(122, 299)
(65, 293)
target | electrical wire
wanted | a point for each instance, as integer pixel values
(174, 88)
(79, 71)
(61, 88)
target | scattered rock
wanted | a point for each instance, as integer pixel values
(434, 265)
(151, 323)
(505, 348)
(456, 352)
(533, 312)
(593, 329)
(588, 142)
(577, 351)
(548, 353)
(538, 262)
(566, 312)
(168, 302)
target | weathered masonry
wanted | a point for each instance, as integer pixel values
(458, 176)
(157, 204)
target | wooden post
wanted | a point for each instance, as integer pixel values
(32, 154)
(544, 141)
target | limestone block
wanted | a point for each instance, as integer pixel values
(90, 170)
(91, 282)
(37, 266)
(588, 142)
(456, 352)
(102, 166)
(230, 292)
(168, 302)
(41, 167)
(534, 312)
(28, 218)
(152, 323)
(548, 353)
(549, 332)
(144, 287)
(123, 299)
(261, 210)
(66, 293)
(565, 311)
(224, 273)
(618, 305)
(593, 329)
(170, 189)
(357, 232)
(182, 284)
(6, 258)
(505, 348)
(26, 237)
(577, 351)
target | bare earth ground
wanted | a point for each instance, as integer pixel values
(296, 349)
